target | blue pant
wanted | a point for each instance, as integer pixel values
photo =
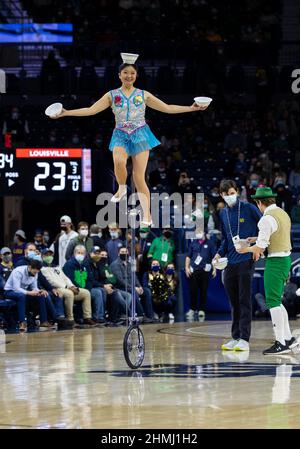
(119, 301)
(22, 298)
(55, 306)
(98, 295)
(144, 303)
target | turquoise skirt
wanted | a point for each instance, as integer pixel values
(140, 140)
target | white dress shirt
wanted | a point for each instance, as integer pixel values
(267, 225)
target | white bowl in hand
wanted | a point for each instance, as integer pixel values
(203, 101)
(221, 263)
(54, 109)
(241, 244)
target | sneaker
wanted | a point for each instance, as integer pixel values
(23, 326)
(155, 316)
(277, 348)
(47, 325)
(292, 343)
(201, 314)
(190, 314)
(171, 317)
(229, 346)
(242, 345)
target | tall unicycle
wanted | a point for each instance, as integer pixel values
(134, 342)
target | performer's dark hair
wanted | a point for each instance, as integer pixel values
(125, 64)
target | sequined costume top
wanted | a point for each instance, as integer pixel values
(129, 111)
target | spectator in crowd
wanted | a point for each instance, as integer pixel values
(252, 183)
(172, 281)
(118, 301)
(39, 240)
(51, 75)
(53, 301)
(162, 297)
(185, 185)
(16, 125)
(22, 285)
(46, 238)
(241, 166)
(294, 178)
(65, 287)
(235, 139)
(160, 177)
(239, 221)
(121, 268)
(115, 242)
(81, 239)
(60, 245)
(18, 247)
(284, 196)
(163, 248)
(6, 265)
(96, 234)
(78, 271)
(198, 269)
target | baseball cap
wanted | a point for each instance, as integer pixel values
(5, 250)
(96, 249)
(20, 233)
(47, 250)
(66, 219)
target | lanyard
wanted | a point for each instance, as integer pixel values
(162, 246)
(238, 226)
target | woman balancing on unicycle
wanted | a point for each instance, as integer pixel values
(132, 136)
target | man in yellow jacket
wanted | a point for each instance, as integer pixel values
(274, 234)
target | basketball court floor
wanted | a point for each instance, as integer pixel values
(79, 379)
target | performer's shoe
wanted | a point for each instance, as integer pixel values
(292, 343)
(276, 349)
(122, 191)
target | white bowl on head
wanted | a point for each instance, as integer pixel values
(221, 263)
(129, 58)
(54, 109)
(203, 101)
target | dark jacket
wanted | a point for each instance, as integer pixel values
(204, 250)
(123, 275)
(249, 217)
(79, 273)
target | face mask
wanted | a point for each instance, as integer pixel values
(167, 234)
(205, 206)
(230, 199)
(170, 271)
(114, 234)
(37, 242)
(99, 234)
(16, 240)
(83, 232)
(46, 238)
(143, 235)
(7, 258)
(103, 259)
(254, 183)
(123, 257)
(31, 254)
(80, 258)
(155, 268)
(48, 260)
(161, 169)
(37, 257)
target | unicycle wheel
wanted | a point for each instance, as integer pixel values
(134, 346)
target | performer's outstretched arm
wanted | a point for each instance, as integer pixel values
(154, 103)
(99, 106)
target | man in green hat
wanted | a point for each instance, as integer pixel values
(274, 234)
